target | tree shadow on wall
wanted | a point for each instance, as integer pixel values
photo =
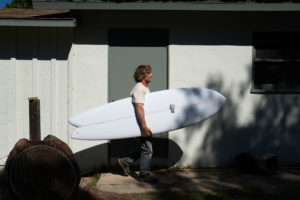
(256, 124)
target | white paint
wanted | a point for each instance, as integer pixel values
(205, 66)
(62, 95)
(24, 78)
(5, 109)
(88, 83)
(211, 64)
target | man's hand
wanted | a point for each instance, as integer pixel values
(146, 132)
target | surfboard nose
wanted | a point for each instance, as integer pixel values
(219, 98)
(222, 98)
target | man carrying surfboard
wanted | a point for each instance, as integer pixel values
(144, 151)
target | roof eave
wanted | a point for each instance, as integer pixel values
(168, 6)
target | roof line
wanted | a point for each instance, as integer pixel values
(80, 5)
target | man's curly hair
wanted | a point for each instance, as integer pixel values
(141, 72)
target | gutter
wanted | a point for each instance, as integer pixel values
(176, 6)
(38, 22)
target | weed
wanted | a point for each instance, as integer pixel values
(95, 179)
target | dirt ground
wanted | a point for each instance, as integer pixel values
(284, 184)
(183, 184)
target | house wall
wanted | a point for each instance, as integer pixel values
(214, 50)
(218, 56)
(33, 63)
(67, 78)
(224, 66)
(89, 87)
(206, 49)
(251, 123)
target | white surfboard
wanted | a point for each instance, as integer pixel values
(165, 110)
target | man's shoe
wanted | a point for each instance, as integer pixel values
(148, 178)
(124, 166)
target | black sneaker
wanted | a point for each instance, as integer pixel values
(124, 166)
(148, 178)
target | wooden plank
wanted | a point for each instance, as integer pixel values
(34, 119)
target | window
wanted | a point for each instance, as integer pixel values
(276, 66)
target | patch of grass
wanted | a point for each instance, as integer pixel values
(95, 179)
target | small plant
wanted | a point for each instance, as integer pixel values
(95, 179)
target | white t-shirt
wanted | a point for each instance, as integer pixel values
(138, 93)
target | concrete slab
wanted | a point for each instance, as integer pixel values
(202, 180)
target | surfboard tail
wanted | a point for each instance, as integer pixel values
(73, 122)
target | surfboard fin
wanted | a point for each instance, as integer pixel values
(172, 108)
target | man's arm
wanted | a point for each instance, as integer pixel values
(141, 116)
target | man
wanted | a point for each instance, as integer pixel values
(143, 76)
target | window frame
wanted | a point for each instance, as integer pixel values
(273, 88)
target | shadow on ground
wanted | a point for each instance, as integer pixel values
(210, 184)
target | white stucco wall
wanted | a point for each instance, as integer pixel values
(250, 123)
(198, 66)
(88, 88)
(88, 79)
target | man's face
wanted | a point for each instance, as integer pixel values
(148, 77)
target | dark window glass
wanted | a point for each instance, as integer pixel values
(276, 66)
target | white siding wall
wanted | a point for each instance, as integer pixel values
(33, 63)
(8, 99)
(68, 78)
